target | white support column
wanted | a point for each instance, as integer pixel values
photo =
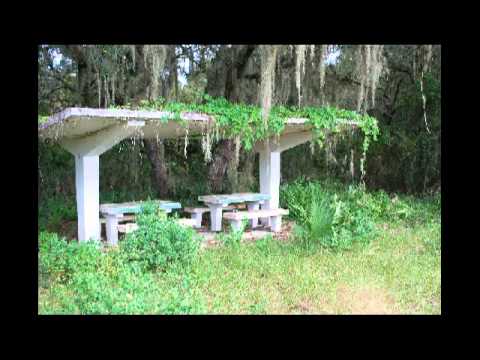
(87, 188)
(87, 151)
(270, 167)
(270, 179)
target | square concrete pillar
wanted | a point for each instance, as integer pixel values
(270, 179)
(87, 191)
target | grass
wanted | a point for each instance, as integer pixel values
(398, 271)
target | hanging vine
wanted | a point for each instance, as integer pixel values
(369, 67)
(268, 55)
(421, 65)
(321, 70)
(245, 123)
(154, 57)
(300, 69)
(370, 63)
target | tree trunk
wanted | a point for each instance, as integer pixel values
(156, 155)
(224, 80)
(156, 149)
(85, 75)
(84, 79)
(224, 153)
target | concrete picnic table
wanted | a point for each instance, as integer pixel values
(217, 202)
(113, 212)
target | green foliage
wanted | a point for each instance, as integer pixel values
(129, 292)
(60, 260)
(404, 259)
(54, 210)
(234, 237)
(324, 218)
(159, 241)
(335, 218)
(264, 245)
(86, 280)
(42, 119)
(245, 121)
(317, 229)
(123, 290)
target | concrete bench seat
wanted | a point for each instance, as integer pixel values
(120, 219)
(127, 228)
(187, 222)
(275, 216)
(196, 213)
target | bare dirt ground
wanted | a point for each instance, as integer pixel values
(211, 239)
(368, 300)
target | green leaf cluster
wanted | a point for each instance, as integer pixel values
(246, 122)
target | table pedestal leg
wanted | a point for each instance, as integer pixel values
(112, 229)
(215, 217)
(253, 206)
(198, 219)
(265, 221)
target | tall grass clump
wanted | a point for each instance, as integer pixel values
(326, 216)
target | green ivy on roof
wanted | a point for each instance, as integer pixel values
(246, 122)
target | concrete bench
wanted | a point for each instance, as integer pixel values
(120, 219)
(127, 228)
(187, 222)
(196, 213)
(275, 216)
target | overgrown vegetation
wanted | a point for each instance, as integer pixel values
(86, 279)
(159, 241)
(369, 248)
(236, 120)
(397, 263)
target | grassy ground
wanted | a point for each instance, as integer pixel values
(398, 273)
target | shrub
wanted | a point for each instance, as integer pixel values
(55, 210)
(126, 289)
(84, 280)
(59, 260)
(328, 217)
(317, 228)
(159, 241)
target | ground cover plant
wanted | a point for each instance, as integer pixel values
(395, 268)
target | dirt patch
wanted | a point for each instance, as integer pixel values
(210, 239)
(365, 300)
(285, 232)
(304, 306)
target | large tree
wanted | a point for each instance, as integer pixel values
(399, 85)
